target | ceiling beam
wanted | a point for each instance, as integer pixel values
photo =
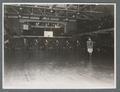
(48, 21)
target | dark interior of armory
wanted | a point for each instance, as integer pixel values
(64, 35)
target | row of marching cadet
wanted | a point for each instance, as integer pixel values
(51, 43)
(59, 44)
(47, 43)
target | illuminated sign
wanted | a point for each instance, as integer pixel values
(25, 27)
(48, 33)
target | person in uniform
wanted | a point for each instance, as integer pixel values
(46, 43)
(77, 44)
(57, 43)
(89, 46)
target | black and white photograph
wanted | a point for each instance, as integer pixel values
(59, 45)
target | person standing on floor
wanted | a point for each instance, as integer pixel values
(89, 45)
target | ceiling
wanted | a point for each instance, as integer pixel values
(60, 12)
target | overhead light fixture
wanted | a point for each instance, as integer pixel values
(66, 19)
(51, 11)
(44, 18)
(73, 16)
(50, 7)
(37, 23)
(96, 4)
(36, 6)
(20, 8)
(19, 16)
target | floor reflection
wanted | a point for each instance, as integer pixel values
(57, 69)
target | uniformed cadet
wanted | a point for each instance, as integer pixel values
(90, 46)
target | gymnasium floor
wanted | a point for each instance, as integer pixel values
(57, 69)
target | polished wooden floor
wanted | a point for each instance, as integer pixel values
(57, 69)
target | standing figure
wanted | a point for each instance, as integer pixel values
(67, 44)
(46, 43)
(77, 44)
(90, 51)
(57, 43)
(36, 42)
(90, 46)
(25, 43)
